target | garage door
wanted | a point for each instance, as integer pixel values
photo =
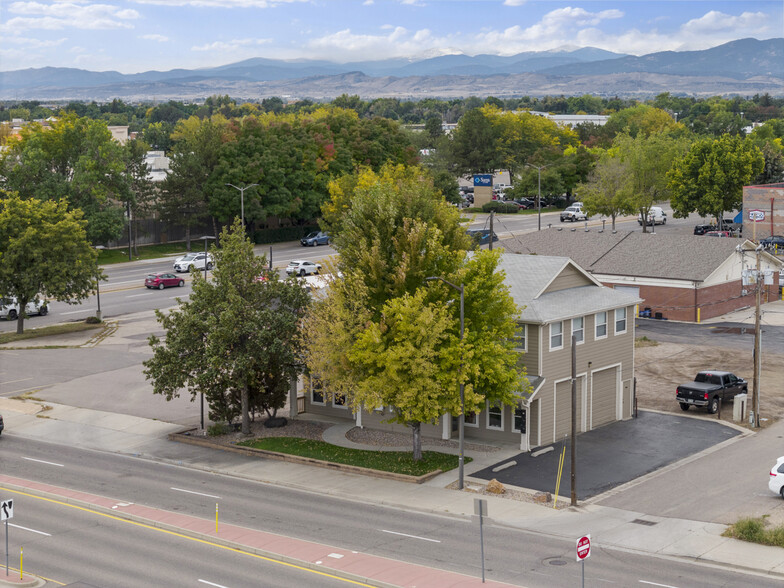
(604, 397)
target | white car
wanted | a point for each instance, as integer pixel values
(300, 267)
(573, 214)
(656, 216)
(776, 482)
(193, 261)
(10, 309)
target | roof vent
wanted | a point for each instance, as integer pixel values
(573, 229)
(560, 228)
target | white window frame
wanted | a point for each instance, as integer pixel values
(313, 390)
(581, 329)
(488, 406)
(596, 334)
(341, 406)
(625, 321)
(522, 328)
(561, 335)
(475, 424)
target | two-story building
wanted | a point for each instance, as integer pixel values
(559, 301)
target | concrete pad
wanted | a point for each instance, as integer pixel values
(749, 555)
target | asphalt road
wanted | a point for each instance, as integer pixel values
(66, 544)
(82, 543)
(730, 335)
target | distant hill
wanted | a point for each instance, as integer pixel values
(745, 67)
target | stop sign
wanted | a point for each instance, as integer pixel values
(583, 547)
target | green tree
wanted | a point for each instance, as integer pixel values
(474, 144)
(236, 339)
(709, 178)
(76, 160)
(648, 159)
(44, 253)
(433, 130)
(607, 190)
(381, 337)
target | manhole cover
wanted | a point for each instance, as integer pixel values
(555, 561)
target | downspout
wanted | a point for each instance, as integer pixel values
(696, 307)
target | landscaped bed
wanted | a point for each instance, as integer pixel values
(386, 461)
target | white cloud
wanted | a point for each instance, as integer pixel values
(514, 2)
(159, 38)
(67, 15)
(232, 45)
(221, 3)
(714, 21)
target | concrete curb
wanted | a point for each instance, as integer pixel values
(184, 437)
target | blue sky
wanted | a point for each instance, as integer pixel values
(139, 35)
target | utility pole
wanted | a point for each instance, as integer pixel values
(757, 332)
(491, 230)
(574, 421)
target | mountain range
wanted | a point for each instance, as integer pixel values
(744, 67)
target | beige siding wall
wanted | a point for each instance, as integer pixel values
(533, 432)
(628, 401)
(570, 277)
(530, 359)
(563, 407)
(546, 402)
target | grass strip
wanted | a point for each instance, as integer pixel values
(110, 256)
(49, 331)
(755, 530)
(399, 462)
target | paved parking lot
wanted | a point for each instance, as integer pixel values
(613, 455)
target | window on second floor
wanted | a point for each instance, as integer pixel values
(578, 329)
(620, 320)
(521, 337)
(601, 325)
(556, 336)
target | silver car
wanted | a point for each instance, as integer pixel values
(193, 261)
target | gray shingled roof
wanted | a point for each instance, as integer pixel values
(680, 257)
(528, 275)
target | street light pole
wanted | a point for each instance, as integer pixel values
(539, 169)
(98, 286)
(242, 199)
(205, 238)
(461, 420)
(128, 211)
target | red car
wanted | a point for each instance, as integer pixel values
(163, 280)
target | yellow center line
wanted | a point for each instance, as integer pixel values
(182, 536)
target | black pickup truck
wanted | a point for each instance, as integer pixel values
(708, 387)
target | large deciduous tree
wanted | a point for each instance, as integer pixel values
(235, 340)
(607, 190)
(382, 337)
(77, 160)
(709, 178)
(44, 252)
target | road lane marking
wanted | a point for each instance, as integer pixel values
(26, 529)
(655, 584)
(192, 492)
(212, 584)
(77, 311)
(13, 381)
(188, 538)
(59, 465)
(412, 536)
(137, 295)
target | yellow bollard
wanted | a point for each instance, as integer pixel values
(558, 480)
(216, 517)
(698, 314)
(21, 562)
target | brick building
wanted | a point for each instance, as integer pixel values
(679, 277)
(770, 200)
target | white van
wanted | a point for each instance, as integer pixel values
(656, 216)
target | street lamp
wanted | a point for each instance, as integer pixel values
(242, 199)
(205, 238)
(98, 285)
(539, 169)
(461, 420)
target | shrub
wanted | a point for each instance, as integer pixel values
(218, 429)
(500, 207)
(92, 320)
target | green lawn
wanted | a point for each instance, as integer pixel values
(48, 331)
(399, 462)
(109, 256)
